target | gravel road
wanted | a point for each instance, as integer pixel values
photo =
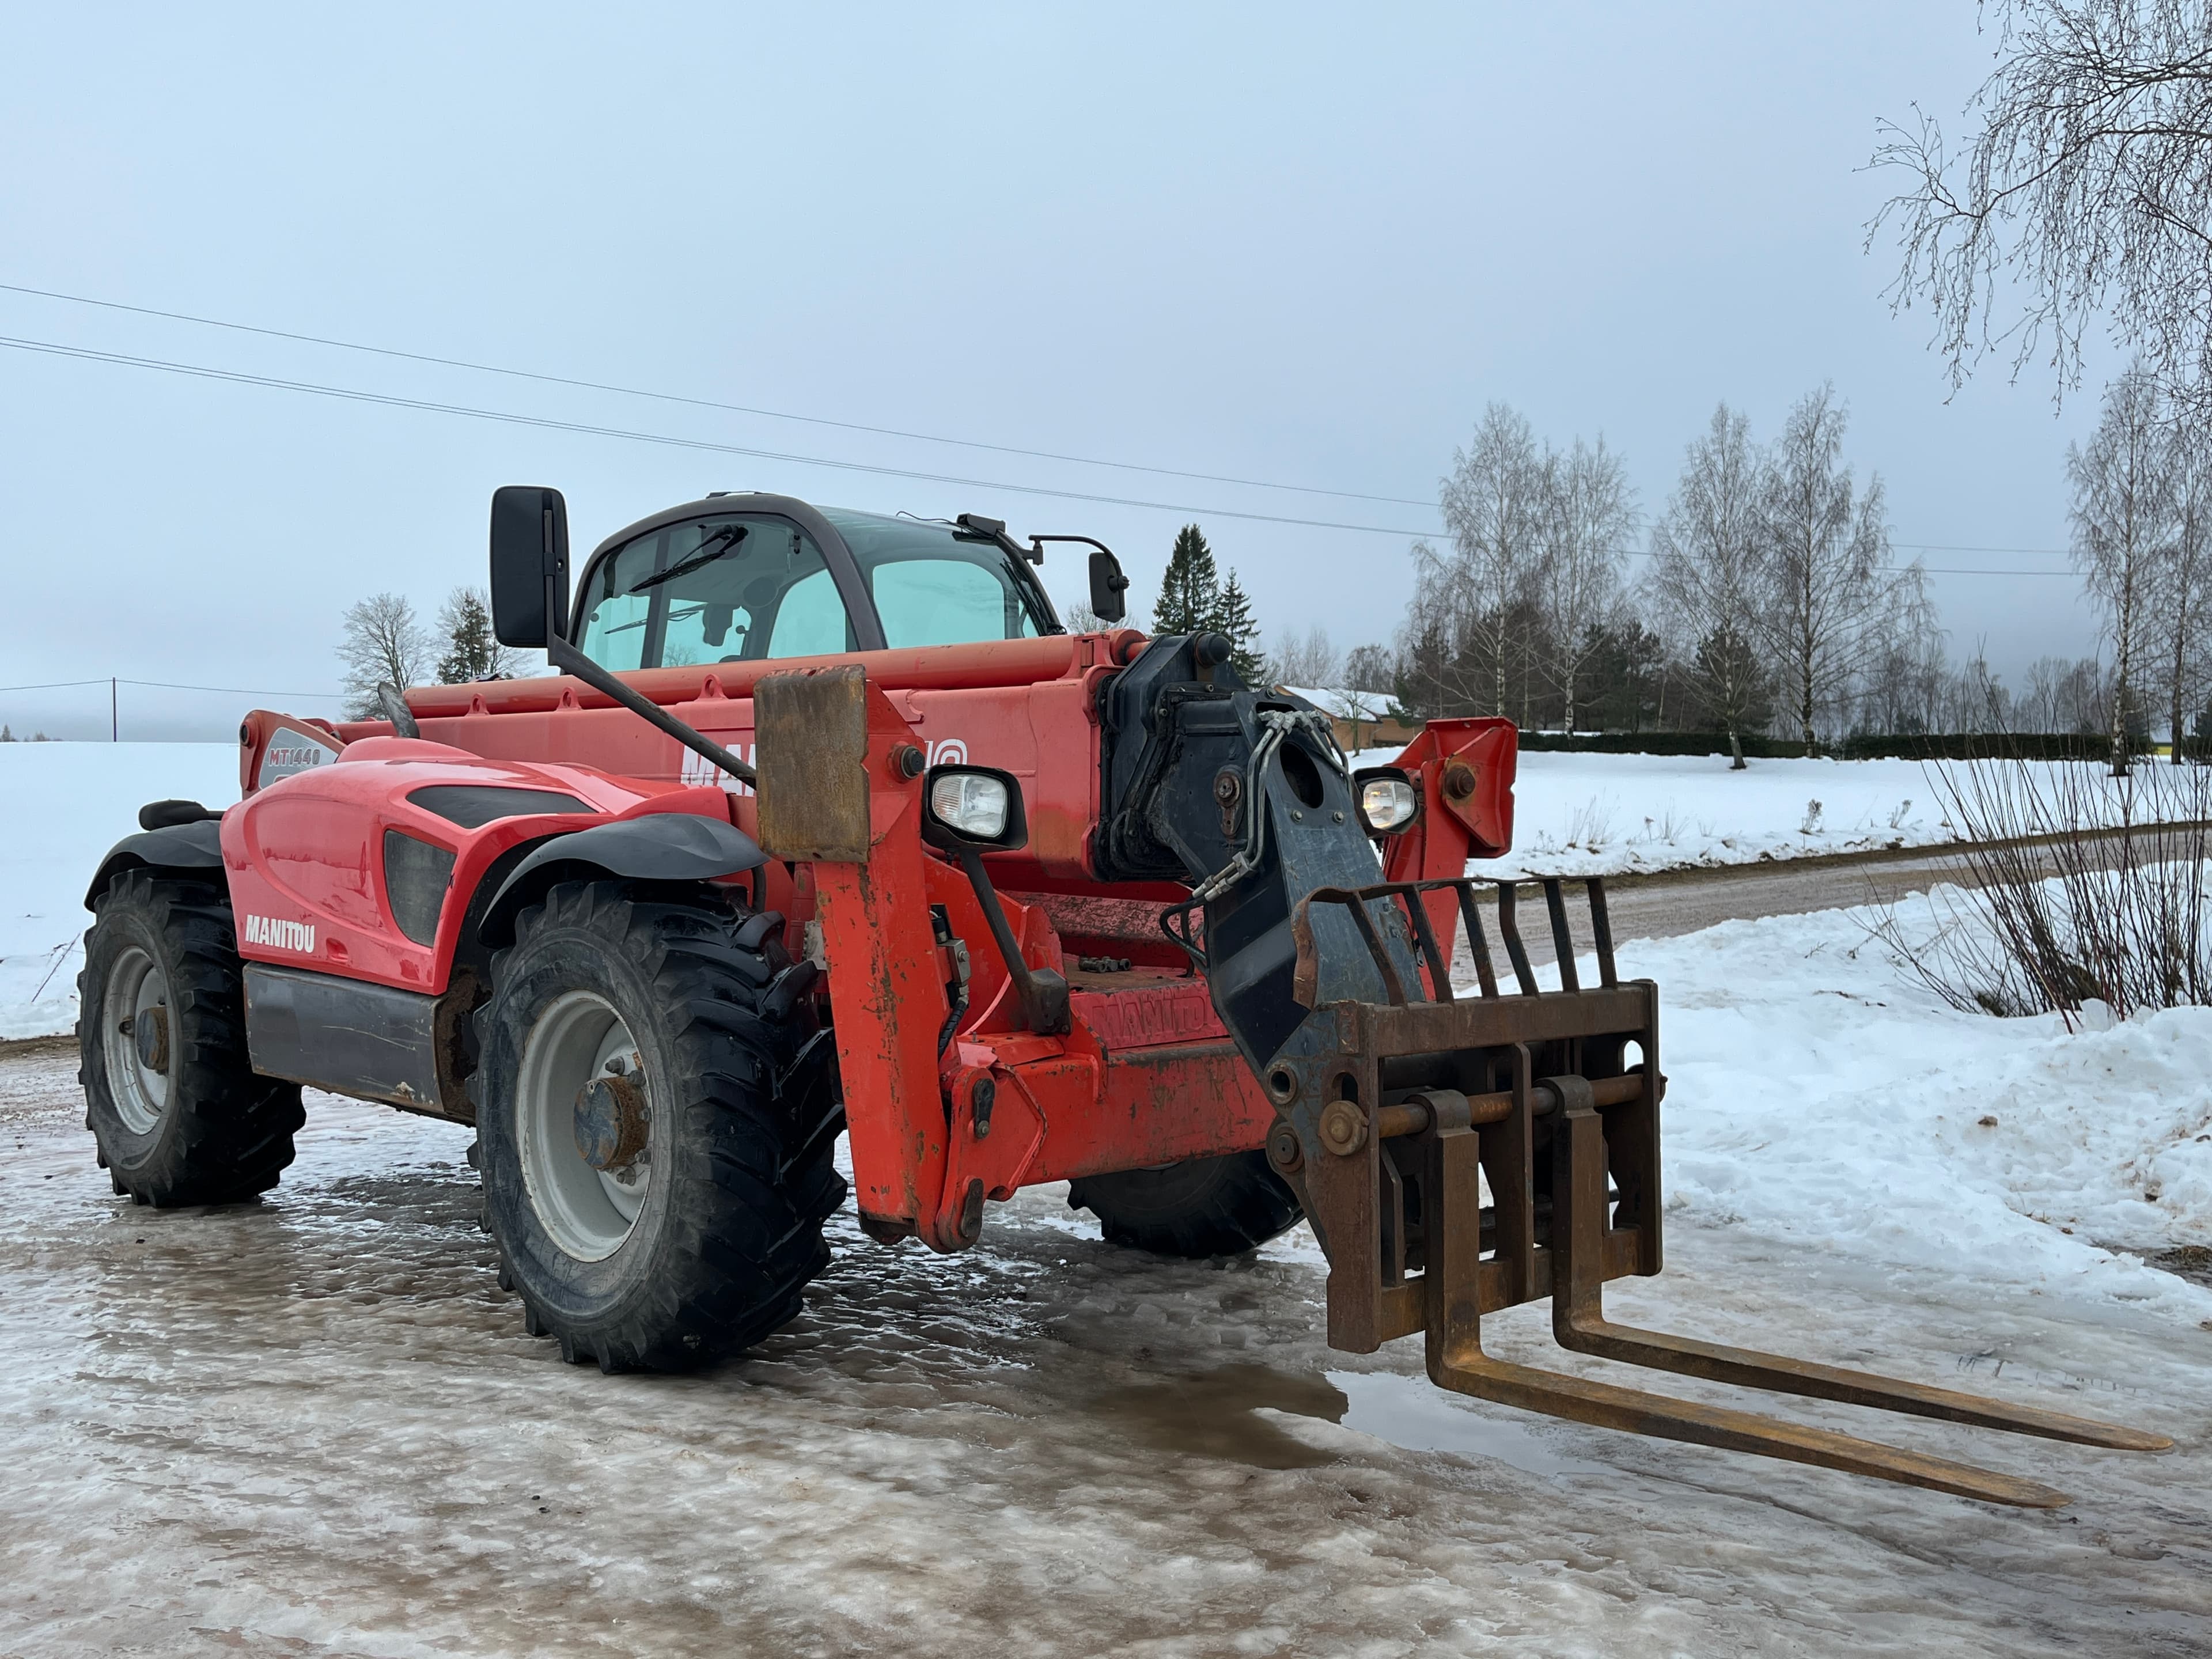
(1679, 901)
(314, 1425)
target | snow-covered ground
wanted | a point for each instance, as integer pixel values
(1582, 815)
(315, 1423)
(61, 806)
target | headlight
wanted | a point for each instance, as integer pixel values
(973, 806)
(1387, 804)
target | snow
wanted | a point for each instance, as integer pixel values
(315, 1423)
(1819, 1095)
(62, 806)
(1586, 815)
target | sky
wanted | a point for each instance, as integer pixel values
(1294, 244)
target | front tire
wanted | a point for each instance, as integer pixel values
(170, 1095)
(1202, 1206)
(657, 1122)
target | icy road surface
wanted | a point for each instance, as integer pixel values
(314, 1426)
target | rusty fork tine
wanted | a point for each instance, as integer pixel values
(1778, 1374)
(1583, 1401)
(1453, 1285)
(1578, 1322)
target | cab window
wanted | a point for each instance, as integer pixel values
(713, 590)
(935, 585)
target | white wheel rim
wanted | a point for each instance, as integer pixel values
(587, 1213)
(134, 984)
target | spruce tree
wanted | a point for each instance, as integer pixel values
(471, 652)
(1190, 592)
(1234, 618)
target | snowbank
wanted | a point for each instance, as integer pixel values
(1815, 1093)
(1584, 815)
(63, 805)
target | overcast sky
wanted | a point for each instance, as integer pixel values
(1297, 244)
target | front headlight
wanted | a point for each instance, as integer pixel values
(1387, 803)
(973, 806)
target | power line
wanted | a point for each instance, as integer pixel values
(550, 423)
(698, 403)
(547, 423)
(171, 685)
(236, 690)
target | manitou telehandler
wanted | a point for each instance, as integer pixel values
(827, 824)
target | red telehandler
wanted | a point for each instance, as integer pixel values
(827, 825)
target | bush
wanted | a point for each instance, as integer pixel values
(2075, 886)
(1932, 746)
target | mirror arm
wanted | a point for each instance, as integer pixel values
(569, 660)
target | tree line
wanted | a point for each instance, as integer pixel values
(1770, 598)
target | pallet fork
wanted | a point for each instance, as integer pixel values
(1553, 1097)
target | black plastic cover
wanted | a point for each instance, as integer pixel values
(674, 847)
(195, 846)
(472, 805)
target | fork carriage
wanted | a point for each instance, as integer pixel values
(1552, 1098)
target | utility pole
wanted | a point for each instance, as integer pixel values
(114, 722)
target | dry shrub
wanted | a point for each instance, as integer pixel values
(2074, 886)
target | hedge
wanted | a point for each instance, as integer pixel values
(1951, 745)
(1654, 743)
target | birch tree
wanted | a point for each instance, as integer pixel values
(2123, 522)
(382, 645)
(2181, 599)
(1589, 514)
(1832, 599)
(1705, 575)
(1492, 503)
(2083, 199)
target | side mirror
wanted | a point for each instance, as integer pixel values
(1107, 584)
(529, 565)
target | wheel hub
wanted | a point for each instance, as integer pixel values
(613, 1122)
(149, 1031)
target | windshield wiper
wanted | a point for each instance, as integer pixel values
(729, 536)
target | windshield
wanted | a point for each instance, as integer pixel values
(935, 586)
(738, 587)
(713, 590)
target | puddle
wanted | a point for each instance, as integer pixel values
(1413, 1414)
(1216, 1414)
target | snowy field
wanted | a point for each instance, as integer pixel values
(61, 806)
(315, 1424)
(1582, 815)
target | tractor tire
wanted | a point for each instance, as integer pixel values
(179, 1114)
(1203, 1206)
(656, 1120)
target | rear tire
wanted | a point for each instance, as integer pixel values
(1203, 1206)
(178, 1111)
(684, 1033)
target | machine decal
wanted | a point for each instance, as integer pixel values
(700, 772)
(280, 935)
(291, 751)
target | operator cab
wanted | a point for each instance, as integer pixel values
(740, 578)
